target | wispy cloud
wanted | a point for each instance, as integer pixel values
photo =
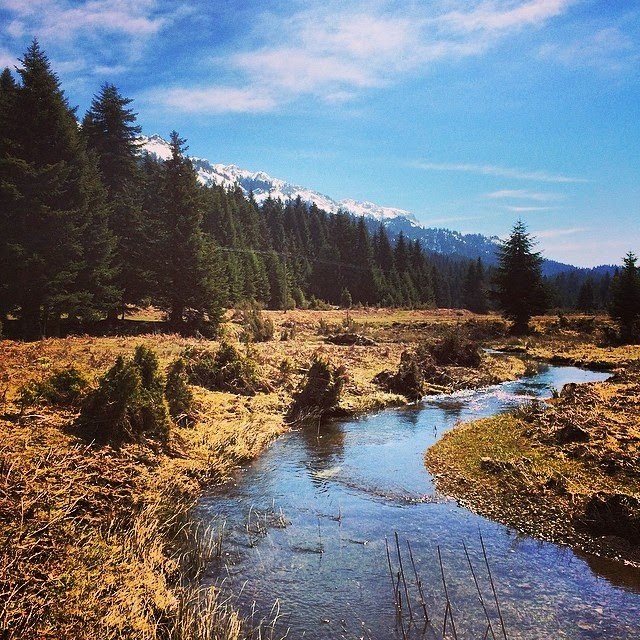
(57, 20)
(523, 194)
(548, 234)
(100, 33)
(607, 49)
(447, 220)
(501, 172)
(491, 16)
(515, 209)
(334, 51)
(213, 100)
(7, 59)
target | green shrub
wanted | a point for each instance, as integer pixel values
(128, 404)
(256, 327)
(225, 370)
(319, 393)
(63, 388)
(178, 394)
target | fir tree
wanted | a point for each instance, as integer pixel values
(189, 271)
(8, 93)
(111, 133)
(624, 306)
(56, 243)
(520, 291)
(474, 293)
(586, 300)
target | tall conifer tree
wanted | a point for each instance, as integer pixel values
(57, 244)
(624, 306)
(520, 291)
(111, 132)
(189, 271)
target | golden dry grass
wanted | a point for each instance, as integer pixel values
(96, 542)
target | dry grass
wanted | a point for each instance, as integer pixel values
(96, 542)
(578, 339)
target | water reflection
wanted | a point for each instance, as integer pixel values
(618, 573)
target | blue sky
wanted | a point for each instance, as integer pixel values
(470, 114)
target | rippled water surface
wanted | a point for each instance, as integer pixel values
(305, 529)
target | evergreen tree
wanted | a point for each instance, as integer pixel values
(112, 135)
(189, 271)
(8, 93)
(624, 306)
(520, 291)
(55, 240)
(586, 300)
(474, 293)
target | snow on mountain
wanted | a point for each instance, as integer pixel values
(263, 186)
(156, 146)
(372, 210)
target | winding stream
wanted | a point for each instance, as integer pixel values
(305, 528)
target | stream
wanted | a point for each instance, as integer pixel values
(306, 528)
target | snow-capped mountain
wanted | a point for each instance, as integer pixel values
(263, 186)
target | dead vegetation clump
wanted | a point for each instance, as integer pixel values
(456, 349)
(319, 392)
(453, 362)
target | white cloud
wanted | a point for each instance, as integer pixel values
(492, 16)
(335, 50)
(7, 59)
(213, 100)
(557, 233)
(94, 31)
(529, 209)
(523, 194)
(608, 49)
(492, 170)
(62, 20)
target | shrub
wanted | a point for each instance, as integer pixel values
(178, 394)
(63, 388)
(319, 393)
(256, 327)
(128, 404)
(225, 370)
(346, 301)
(409, 380)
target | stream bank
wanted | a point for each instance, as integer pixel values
(567, 471)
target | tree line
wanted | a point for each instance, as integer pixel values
(89, 224)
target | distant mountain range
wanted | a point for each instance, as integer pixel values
(263, 186)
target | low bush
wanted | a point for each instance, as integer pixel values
(128, 404)
(256, 327)
(409, 380)
(64, 388)
(319, 393)
(178, 394)
(224, 370)
(455, 349)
